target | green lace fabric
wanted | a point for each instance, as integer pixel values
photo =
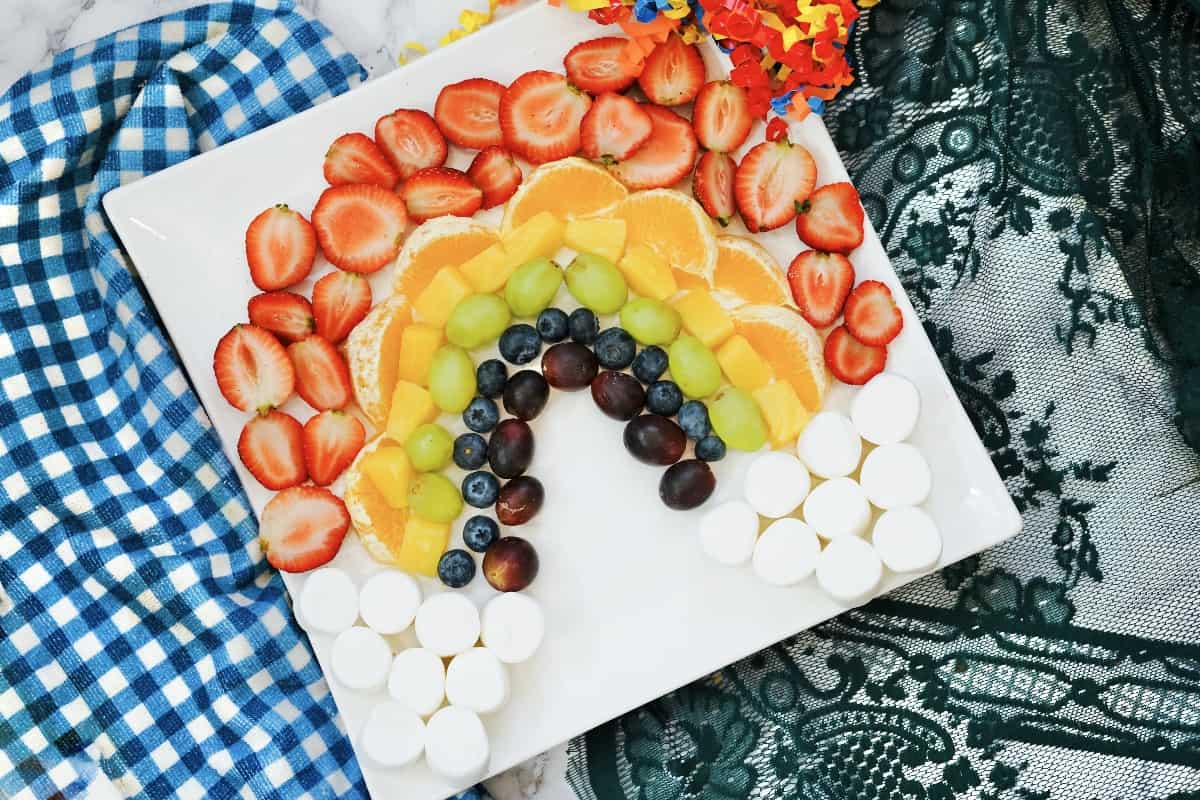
(1033, 170)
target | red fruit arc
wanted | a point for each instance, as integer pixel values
(721, 116)
(340, 301)
(468, 113)
(614, 128)
(322, 377)
(496, 174)
(597, 65)
(872, 315)
(360, 226)
(820, 283)
(285, 314)
(253, 370)
(440, 192)
(713, 185)
(850, 360)
(667, 156)
(673, 73)
(301, 528)
(331, 441)
(411, 139)
(540, 115)
(280, 248)
(355, 158)
(271, 446)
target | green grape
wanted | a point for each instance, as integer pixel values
(650, 321)
(429, 447)
(694, 367)
(532, 287)
(597, 283)
(736, 418)
(451, 379)
(477, 320)
(435, 498)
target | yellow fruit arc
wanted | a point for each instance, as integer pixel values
(790, 346)
(373, 355)
(440, 242)
(745, 269)
(570, 188)
(675, 227)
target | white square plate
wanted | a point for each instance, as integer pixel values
(633, 607)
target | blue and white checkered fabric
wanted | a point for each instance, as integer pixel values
(140, 632)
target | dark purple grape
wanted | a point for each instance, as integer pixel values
(687, 485)
(569, 365)
(511, 448)
(654, 440)
(510, 564)
(525, 394)
(520, 500)
(618, 395)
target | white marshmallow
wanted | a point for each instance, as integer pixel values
(476, 680)
(786, 552)
(776, 484)
(849, 570)
(328, 601)
(360, 659)
(895, 475)
(885, 409)
(838, 507)
(456, 745)
(727, 532)
(418, 681)
(393, 736)
(447, 624)
(513, 626)
(907, 540)
(389, 601)
(829, 446)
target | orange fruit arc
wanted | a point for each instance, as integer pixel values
(569, 188)
(747, 270)
(790, 345)
(379, 526)
(440, 242)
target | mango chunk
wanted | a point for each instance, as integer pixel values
(647, 274)
(704, 318)
(786, 416)
(423, 545)
(489, 270)
(389, 469)
(541, 236)
(418, 343)
(742, 364)
(440, 297)
(412, 406)
(604, 237)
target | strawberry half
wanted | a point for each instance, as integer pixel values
(302, 528)
(850, 360)
(540, 115)
(667, 156)
(411, 140)
(820, 283)
(360, 226)
(331, 441)
(322, 377)
(673, 73)
(713, 185)
(440, 191)
(272, 448)
(253, 370)
(280, 248)
(285, 314)
(340, 301)
(468, 113)
(355, 158)
(722, 116)
(614, 128)
(831, 219)
(596, 65)
(772, 180)
(496, 174)
(872, 315)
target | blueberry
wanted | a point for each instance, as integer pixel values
(615, 348)
(693, 418)
(480, 489)
(481, 415)
(583, 326)
(490, 377)
(552, 325)
(663, 398)
(479, 532)
(520, 344)
(710, 448)
(456, 568)
(650, 364)
(470, 451)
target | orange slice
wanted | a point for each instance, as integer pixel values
(567, 188)
(373, 354)
(440, 242)
(790, 346)
(747, 270)
(379, 526)
(675, 227)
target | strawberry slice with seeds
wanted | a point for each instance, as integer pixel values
(280, 248)
(596, 65)
(355, 158)
(667, 156)
(614, 128)
(272, 448)
(322, 377)
(253, 370)
(722, 116)
(360, 226)
(285, 314)
(673, 73)
(540, 115)
(772, 180)
(872, 315)
(440, 191)
(340, 301)
(820, 283)
(496, 174)
(331, 441)
(850, 360)
(468, 113)
(831, 219)
(713, 185)
(411, 140)
(302, 528)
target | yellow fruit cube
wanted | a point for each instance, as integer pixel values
(391, 472)
(489, 270)
(418, 343)
(647, 274)
(423, 545)
(786, 416)
(412, 406)
(742, 364)
(604, 237)
(541, 236)
(704, 318)
(440, 297)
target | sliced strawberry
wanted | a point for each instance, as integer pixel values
(831, 219)
(253, 370)
(496, 174)
(360, 226)
(468, 113)
(850, 360)
(773, 178)
(302, 528)
(331, 441)
(285, 314)
(322, 377)
(614, 128)
(440, 191)
(713, 185)
(722, 116)
(820, 283)
(596, 65)
(540, 115)
(280, 248)
(411, 140)
(340, 301)
(872, 315)
(272, 448)
(667, 156)
(673, 73)
(355, 158)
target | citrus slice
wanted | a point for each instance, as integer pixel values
(747, 270)
(790, 346)
(373, 354)
(379, 526)
(567, 188)
(675, 227)
(440, 242)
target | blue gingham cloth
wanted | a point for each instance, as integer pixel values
(142, 634)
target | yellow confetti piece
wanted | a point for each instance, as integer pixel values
(415, 47)
(586, 5)
(867, 3)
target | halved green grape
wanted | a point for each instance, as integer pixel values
(434, 497)
(736, 418)
(650, 321)
(477, 320)
(597, 283)
(694, 367)
(532, 286)
(451, 379)
(429, 447)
